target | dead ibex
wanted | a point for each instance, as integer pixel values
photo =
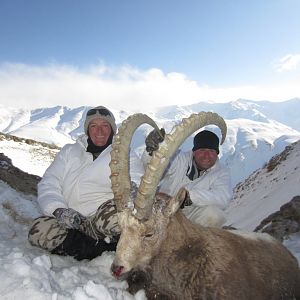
(161, 251)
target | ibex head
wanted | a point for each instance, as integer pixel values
(143, 226)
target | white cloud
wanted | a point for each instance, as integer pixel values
(288, 63)
(121, 87)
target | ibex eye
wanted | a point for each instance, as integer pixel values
(148, 235)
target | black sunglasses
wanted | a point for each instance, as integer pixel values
(101, 111)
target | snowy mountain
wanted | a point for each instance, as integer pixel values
(266, 190)
(256, 130)
(28, 272)
(30, 156)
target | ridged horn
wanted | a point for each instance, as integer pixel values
(161, 157)
(119, 164)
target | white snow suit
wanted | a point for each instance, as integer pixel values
(210, 193)
(75, 181)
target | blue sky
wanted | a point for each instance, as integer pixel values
(206, 49)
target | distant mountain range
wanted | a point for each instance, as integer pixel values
(256, 130)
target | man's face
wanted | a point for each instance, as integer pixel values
(205, 158)
(99, 131)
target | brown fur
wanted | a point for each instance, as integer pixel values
(171, 258)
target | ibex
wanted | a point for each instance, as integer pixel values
(163, 252)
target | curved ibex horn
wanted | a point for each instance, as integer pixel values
(119, 164)
(161, 157)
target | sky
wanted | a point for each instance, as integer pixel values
(138, 53)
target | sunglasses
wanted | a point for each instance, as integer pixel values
(100, 111)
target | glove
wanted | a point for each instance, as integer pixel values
(153, 139)
(187, 200)
(69, 218)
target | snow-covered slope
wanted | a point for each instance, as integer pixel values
(266, 190)
(28, 272)
(256, 130)
(30, 156)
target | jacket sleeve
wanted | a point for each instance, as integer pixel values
(145, 158)
(50, 195)
(219, 192)
(136, 167)
(171, 167)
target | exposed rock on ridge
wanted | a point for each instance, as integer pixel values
(16, 178)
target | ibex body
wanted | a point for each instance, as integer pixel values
(161, 251)
(172, 258)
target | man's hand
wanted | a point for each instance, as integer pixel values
(153, 139)
(187, 200)
(69, 218)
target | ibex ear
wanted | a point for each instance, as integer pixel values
(175, 202)
(181, 195)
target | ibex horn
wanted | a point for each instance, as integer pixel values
(161, 157)
(119, 165)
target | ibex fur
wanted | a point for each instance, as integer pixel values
(161, 251)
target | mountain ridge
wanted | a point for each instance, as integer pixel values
(256, 130)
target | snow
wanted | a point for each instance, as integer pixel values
(266, 192)
(256, 130)
(29, 272)
(32, 273)
(33, 159)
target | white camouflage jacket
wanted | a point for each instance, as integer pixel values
(74, 180)
(211, 188)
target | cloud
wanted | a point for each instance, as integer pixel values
(288, 63)
(119, 87)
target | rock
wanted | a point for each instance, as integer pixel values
(16, 178)
(283, 222)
